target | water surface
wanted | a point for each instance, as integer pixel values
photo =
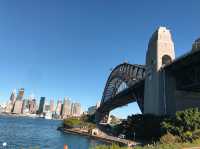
(21, 132)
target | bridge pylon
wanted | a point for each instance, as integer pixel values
(160, 53)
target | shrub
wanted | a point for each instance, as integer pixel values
(168, 138)
(145, 126)
(196, 134)
(184, 124)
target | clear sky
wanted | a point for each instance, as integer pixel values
(58, 48)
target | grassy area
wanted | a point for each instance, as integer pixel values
(82, 122)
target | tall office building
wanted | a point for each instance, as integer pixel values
(13, 96)
(76, 109)
(18, 107)
(41, 105)
(52, 105)
(20, 94)
(11, 102)
(25, 106)
(66, 109)
(32, 106)
(19, 102)
(47, 108)
(9, 107)
(59, 107)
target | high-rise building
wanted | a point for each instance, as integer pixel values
(25, 106)
(32, 106)
(20, 94)
(42, 105)
(9, 107)
(13, 96)
(66, 109)
(46, 108)
(18, 107)
(19, 102)
(52, 105)
(59, 107)
(76, 109)
(11, 102)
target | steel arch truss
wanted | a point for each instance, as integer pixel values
(122, 77)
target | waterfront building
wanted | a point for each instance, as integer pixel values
(13, 96)
(18, 107)
(9, 107)
(25, 106)
(32, 106)
(92, 109)
(46, 108)
(66, 108)
(41, 105)
(52, 105)
(59, 107)
(1, 109)
(76, 109)
(20, 94)
(11, 102)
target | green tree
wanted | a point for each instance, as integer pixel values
(185, 124)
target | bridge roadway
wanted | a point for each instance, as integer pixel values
(186, 70)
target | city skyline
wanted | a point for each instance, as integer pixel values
(43, 107)
(68, 49)
(32, 95)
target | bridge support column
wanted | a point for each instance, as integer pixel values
(169, 95)
(160, 52)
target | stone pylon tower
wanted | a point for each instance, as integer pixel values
(160, 52)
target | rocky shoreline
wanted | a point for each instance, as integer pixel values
(106, 139)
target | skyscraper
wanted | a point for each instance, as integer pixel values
(20, 94)
(18, 107)
(25, 106)
(19, 102)
(76, 109)
(41, 106)
(11, 102)
(32, 106)
(59, 107)
(66, 109)
(9, 107)
(52, 105)
(13, 96)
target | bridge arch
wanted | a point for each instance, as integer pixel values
(120, 79)
(122, 74)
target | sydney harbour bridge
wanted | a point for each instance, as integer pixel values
(163, 85)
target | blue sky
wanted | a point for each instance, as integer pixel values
(58, 48)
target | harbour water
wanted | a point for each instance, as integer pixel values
(26, 133)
